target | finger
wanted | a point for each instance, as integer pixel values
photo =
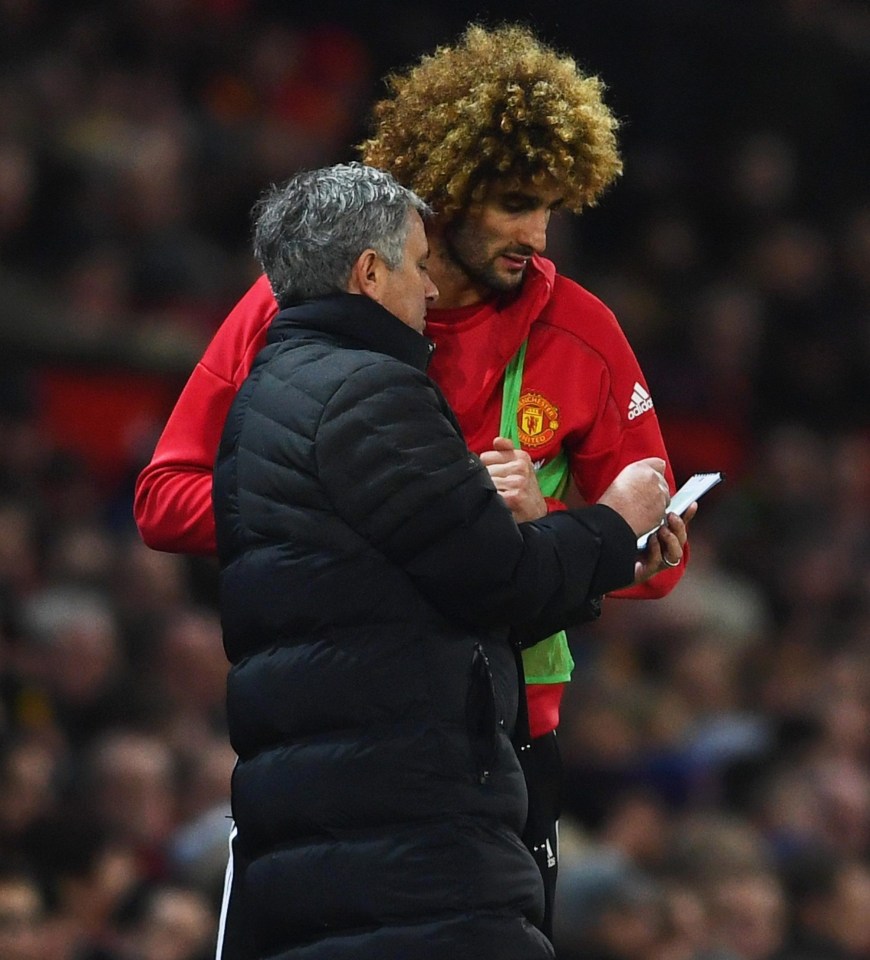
(667, 537)
(502, 469)
(495, 457)
(677, 527)
(513, 481)
(644, 568)
(671, 547)
(679, 524)
(653, 553)
(690, 512)
(502, 443)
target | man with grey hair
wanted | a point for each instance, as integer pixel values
(309, 233)
(373, 582)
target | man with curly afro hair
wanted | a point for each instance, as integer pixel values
(499, 105)
(495, 133)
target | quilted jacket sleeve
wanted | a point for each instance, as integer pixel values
(398, 471)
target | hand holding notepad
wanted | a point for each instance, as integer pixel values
(693, 489)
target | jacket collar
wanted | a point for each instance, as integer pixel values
(359, 322)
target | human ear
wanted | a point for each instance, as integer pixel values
(366, 275)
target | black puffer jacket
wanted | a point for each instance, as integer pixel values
(370, 574)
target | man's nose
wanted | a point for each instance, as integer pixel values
(534, 230)
(431, 290)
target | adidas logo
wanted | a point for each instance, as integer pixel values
(640, 402)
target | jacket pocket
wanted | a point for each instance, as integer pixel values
(480, 714)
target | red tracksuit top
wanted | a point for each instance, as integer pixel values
(582, 390)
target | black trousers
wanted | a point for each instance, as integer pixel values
(542, 765)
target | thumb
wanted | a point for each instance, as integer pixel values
(502, 443)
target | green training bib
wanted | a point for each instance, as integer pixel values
(550, 660)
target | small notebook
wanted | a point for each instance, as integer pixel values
(693, 489)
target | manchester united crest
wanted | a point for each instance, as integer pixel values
(537, 419)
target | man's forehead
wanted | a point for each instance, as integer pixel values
(416, 239)
(547, 189)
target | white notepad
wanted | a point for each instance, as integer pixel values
(693, 489)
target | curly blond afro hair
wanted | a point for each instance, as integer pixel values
(498, 104)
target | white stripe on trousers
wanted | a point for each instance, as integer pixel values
(225, 902)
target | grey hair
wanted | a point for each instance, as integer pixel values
(309, 231)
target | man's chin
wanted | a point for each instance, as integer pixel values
(504, 281)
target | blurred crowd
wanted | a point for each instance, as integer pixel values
(717, 742)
